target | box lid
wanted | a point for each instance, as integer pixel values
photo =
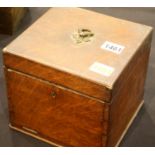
(87, 44)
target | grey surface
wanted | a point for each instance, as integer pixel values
(141, 132)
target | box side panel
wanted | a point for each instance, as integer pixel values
(54, 113)
(128, 98)
(58, 77)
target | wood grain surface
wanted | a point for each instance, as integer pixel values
(53, 94)
(130, 94)
(50, 43)
(67, 118)
(58, 77)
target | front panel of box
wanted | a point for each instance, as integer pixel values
(55, 113)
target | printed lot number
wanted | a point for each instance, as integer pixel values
(113, 47)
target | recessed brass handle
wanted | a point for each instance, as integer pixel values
(53, 94)
(82, 35)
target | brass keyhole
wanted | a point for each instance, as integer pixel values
(53, 94)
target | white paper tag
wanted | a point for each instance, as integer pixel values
(113, 47)
(101, 69)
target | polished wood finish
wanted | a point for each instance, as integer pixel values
(129, 123)
(56, 76)
(10, 19)
(52, 143)
(66, 117)
(130, 94)
(50, 43)
(33, 135)
(52, 93)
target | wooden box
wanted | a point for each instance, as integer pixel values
(76, 77)
(10, 19)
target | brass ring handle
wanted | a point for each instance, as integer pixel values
(53, 94)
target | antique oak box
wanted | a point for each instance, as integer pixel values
(10, 19)
(76, 77)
